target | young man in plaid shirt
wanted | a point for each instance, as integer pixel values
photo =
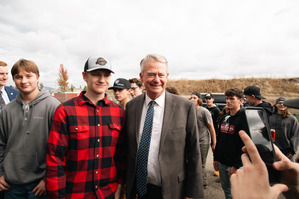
(86, 147)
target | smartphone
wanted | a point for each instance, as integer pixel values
(259, 131)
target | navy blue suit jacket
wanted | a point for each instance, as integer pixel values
(11, 92)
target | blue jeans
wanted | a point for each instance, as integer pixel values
(22, 191)
(225, 179)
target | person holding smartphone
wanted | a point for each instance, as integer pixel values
(252, 180)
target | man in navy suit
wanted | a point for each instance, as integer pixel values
(7, 93)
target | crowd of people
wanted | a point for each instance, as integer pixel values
(152, 144)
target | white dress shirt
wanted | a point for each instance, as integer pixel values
(5, 96)
(153, 167)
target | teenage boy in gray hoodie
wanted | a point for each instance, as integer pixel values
(24, 129)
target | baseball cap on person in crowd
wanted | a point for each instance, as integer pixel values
(121, 83)
(96, 63)
(281, 99)
(209, 96)
(197, 94)
(253, 90)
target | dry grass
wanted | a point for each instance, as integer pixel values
(269, 86)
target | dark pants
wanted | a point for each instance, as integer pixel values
(153, 192)
(23, 191)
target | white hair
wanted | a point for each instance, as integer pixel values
(153, 57)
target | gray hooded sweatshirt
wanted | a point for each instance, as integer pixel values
(24, 130)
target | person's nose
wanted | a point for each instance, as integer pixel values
(24, 80)
(156, 78)
(5, 76)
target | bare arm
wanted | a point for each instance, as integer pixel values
(213, 134)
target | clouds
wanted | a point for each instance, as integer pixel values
(201, 39)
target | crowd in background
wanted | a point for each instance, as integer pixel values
(152, 143)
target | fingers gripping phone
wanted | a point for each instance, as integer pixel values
(259, 132)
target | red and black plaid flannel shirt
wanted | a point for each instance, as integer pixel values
(86, 149)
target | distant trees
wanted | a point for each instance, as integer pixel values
(72, 87)
(62, 80)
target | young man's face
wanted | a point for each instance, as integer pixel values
(194, 98)
(154, 77)
(3, 75)
(26, 82)
(233, 102)
(250, 99)
(135, 90)
(121, 94)
(97, 81)
(209, 101)
(280, 107)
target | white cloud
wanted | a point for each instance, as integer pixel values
(201, 39)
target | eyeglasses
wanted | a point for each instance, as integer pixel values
(281, 103)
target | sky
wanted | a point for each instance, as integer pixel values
(200, 39)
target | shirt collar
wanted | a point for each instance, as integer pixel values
(3, 89)
(160, 101)
(83, 99)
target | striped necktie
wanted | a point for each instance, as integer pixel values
(142, 157)
(2, 102)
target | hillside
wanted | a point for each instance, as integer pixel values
(269, 86)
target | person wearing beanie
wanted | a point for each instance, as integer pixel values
(286, 128)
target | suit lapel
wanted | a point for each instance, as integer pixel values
(138, 112)
(169, 109)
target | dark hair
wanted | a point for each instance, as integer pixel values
(234, 92)
(172, 90)
(197, 94)
(27, 65)
(136, 81)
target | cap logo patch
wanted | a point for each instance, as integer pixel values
(101, 61)
(118, 83)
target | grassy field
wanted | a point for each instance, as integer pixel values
(271, 88)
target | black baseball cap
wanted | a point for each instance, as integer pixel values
(197, 94)
(121, 83)
(209, 95)
(96, 63)
(253, 90)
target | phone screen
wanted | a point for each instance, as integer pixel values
(260, 134)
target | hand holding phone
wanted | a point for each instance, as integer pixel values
(259, 132)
